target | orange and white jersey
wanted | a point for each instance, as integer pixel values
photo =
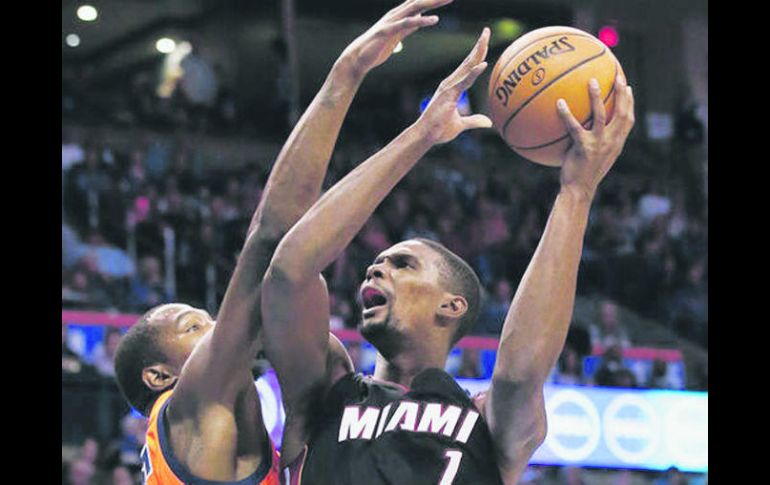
(160, 467)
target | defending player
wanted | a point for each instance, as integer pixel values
(192, 376)
(419, 299)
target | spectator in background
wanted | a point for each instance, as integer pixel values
(121, 476)
(71, 151)
(74, 291)
(569, 368)
(83, 470)
(495, 309)
(609, 331)
(85, 183)
(659, 376)
(653, 203)
(104, 353)
(688, 307)
(80, 473)
(134, 429)
(84, 287)
(109, 261)
(182, 170)
(470, 365)
(89, 452)
(72, 248)
(147, 288)
(612, 371)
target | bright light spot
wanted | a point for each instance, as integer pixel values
(165, 45)
(72, 40)
(87, 13)
(398, 48)
(506, 29)
(609, 35)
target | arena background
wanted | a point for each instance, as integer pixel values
(164, 155)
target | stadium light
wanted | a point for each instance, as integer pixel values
(165, 45)
(72, 40)
(87, 13)
(609, 35)
(507, 29)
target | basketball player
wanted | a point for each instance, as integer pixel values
(411, 423)
(191, 376)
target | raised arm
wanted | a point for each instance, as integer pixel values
(537, 322)
(293, 186)
(295, 309)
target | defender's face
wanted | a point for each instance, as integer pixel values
(401, 291)
(183, 328)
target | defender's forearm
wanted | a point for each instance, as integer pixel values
(296, 178)
(537, 322)
(329, 226)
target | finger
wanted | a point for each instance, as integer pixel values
(474, 57)
(408, 25)
(597, 106)
(630, 116)
(479, 51)
(624, 103)
(407, 9)
(476, 121)
(470, 78)
(570, 123)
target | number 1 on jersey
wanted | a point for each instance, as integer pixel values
(453, 464)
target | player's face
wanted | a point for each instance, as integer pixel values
(183, 327)
(401, 291)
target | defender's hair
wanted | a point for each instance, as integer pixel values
(138, 348)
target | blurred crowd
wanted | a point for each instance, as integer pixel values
(158, 224)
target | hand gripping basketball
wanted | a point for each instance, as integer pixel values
(594, 150)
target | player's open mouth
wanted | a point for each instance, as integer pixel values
(372, 299)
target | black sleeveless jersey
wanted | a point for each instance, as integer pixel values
(370, 433)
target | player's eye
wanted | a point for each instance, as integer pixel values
(401, 263)
(193, 328)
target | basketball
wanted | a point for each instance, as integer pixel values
(533, 73)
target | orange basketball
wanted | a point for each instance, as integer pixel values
(533, 73)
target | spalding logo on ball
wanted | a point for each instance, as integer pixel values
(533, 73)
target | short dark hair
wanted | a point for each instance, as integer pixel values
(458, 277)
(139, 348)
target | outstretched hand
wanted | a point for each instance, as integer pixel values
(376, 45)
(594, 150)
(441, 120)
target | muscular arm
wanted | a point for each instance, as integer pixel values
(296, 301)
(536, 326)
(216, 378)
(294, 184)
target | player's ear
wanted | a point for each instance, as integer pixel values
(452, 307)
(158, 377)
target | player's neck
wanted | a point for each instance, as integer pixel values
(402, 368)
